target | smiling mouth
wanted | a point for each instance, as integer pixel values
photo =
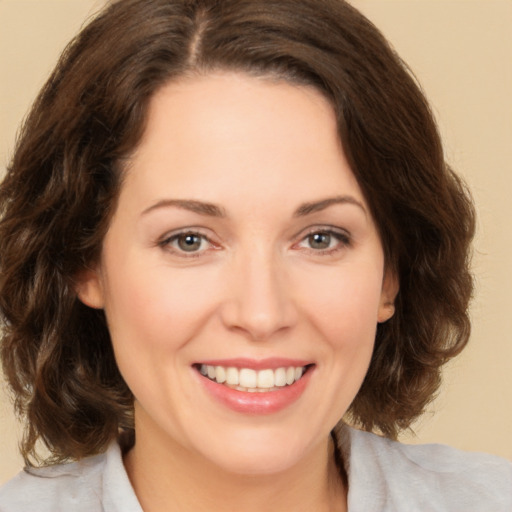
(253, 381)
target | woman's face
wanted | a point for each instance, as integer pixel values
(241, 247)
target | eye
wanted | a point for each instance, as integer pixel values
(325, 241)
(186, 242)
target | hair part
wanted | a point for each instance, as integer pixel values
(61, 187)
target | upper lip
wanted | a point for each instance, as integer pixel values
(271, 363)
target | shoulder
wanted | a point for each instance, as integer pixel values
(425, 477)
(74, 486)
(89, 485)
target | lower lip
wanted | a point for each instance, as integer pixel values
(265, 402)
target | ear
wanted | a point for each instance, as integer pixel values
(390, 287)
(89, 288)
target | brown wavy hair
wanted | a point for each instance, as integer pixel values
(60, 191)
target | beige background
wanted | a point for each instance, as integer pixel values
(461, 50)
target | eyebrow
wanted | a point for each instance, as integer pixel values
(212, 210)
(317, 206)
(200, 207)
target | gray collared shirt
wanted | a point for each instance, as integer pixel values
(384, 476)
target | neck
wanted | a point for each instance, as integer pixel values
(166, 476)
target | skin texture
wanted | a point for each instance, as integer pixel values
(255, 286)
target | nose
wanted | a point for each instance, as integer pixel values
(259, 299)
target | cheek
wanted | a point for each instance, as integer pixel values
(152, 315)
(345, 304)
(154, 306)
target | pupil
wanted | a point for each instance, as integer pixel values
(320, 240)
(189, 242)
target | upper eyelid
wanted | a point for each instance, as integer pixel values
(322, 229)
(185, 231)
(301, 234)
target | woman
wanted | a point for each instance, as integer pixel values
(228, 231)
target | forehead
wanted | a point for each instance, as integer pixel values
(231, 131)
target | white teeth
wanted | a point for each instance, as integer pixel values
(247, 379)
(232, 376)
(280, 377)
(266, 379)
(220, 374)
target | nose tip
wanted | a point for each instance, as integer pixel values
(258, 327)
(259, 302)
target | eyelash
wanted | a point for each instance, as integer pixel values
(343, 240)
(166, 242)
(341, 237)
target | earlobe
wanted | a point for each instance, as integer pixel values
(390, 289)
(89, 288)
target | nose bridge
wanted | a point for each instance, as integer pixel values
(259, 300)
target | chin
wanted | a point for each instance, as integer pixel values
(257, 452)
(256, 462)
